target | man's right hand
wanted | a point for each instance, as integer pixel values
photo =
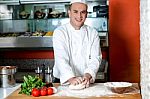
(75, 80)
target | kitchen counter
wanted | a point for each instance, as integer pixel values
(4, 92)
(64, 94)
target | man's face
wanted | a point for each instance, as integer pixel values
(77, 14)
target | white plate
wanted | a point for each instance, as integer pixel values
(55, 89)
(117, 84)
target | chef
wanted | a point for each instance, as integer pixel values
(76, 46)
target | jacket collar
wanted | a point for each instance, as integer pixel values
(72, 28)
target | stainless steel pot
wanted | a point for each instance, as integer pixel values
(7, 76)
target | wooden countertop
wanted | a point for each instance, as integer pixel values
(15, 95)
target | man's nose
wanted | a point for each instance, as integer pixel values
(79, 15)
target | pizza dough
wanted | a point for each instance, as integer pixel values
(77, 87)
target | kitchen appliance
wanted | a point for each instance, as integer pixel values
(7, 77)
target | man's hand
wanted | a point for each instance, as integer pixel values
(86, 79)
(75, 80)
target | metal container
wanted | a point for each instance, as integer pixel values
(7, 76)
(45, 73)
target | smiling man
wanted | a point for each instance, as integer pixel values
(77, 14)
(76, 48)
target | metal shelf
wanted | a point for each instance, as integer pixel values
(25, 42)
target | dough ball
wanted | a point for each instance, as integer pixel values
(77, 87)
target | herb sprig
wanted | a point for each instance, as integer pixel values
(29, 83)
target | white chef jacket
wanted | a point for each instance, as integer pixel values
(76, 52)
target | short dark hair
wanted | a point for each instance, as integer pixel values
(69, 8)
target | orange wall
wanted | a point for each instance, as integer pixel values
(124, 40)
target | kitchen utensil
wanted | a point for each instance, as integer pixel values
(39, 15)
(54, 14)
(7, 77)
(24, 15)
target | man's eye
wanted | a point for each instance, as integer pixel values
(84, 12)
(75, 11)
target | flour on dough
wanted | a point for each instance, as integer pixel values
(78, 87)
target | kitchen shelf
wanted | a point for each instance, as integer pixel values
(33, 25)
(26, 42)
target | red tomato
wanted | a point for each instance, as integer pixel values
(50, 91)
(35, 92)
(43, 91)
(34, 89)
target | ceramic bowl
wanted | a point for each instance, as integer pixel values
(118, 87)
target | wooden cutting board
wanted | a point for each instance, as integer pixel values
(15, 95)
